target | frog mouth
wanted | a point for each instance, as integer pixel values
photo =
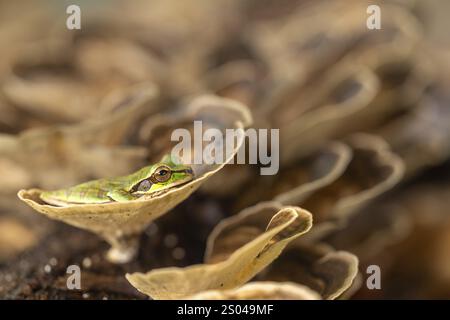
(187, 170)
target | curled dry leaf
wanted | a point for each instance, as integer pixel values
(373, 170)
(316, 266)
(402, 78)
(303, 62)
(401, 217)
(120, 223)
(311, 118)
(67, 150)
(371, 231)
(325, 167)
(213, 111)
(235, 231)
(156, 132)
(183, 46)
(261, 290)
(420, 137)
(120, 111)
(102, 58)
(42, 84)
(228, 182)
(298, 56)
(46, 98)
(152, 24)
(403, 75)
(322, 112)
(18, 38)
(238, 80)
(296, 182)
(283, 46)
(237, 265)
(232, 177)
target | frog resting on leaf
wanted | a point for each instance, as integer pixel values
(149, 181)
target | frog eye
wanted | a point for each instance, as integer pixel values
(144, 186)
(162, 174)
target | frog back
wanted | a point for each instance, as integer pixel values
(89, 192)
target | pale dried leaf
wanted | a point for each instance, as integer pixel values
(261, 290)
(121, 222)
(233, 271)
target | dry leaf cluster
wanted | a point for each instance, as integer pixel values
(364, 120)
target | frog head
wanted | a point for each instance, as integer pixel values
(161, 176)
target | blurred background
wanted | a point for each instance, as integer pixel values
(364, 119)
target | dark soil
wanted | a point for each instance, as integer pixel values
(40, 272)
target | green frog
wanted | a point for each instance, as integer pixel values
(150, 181)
